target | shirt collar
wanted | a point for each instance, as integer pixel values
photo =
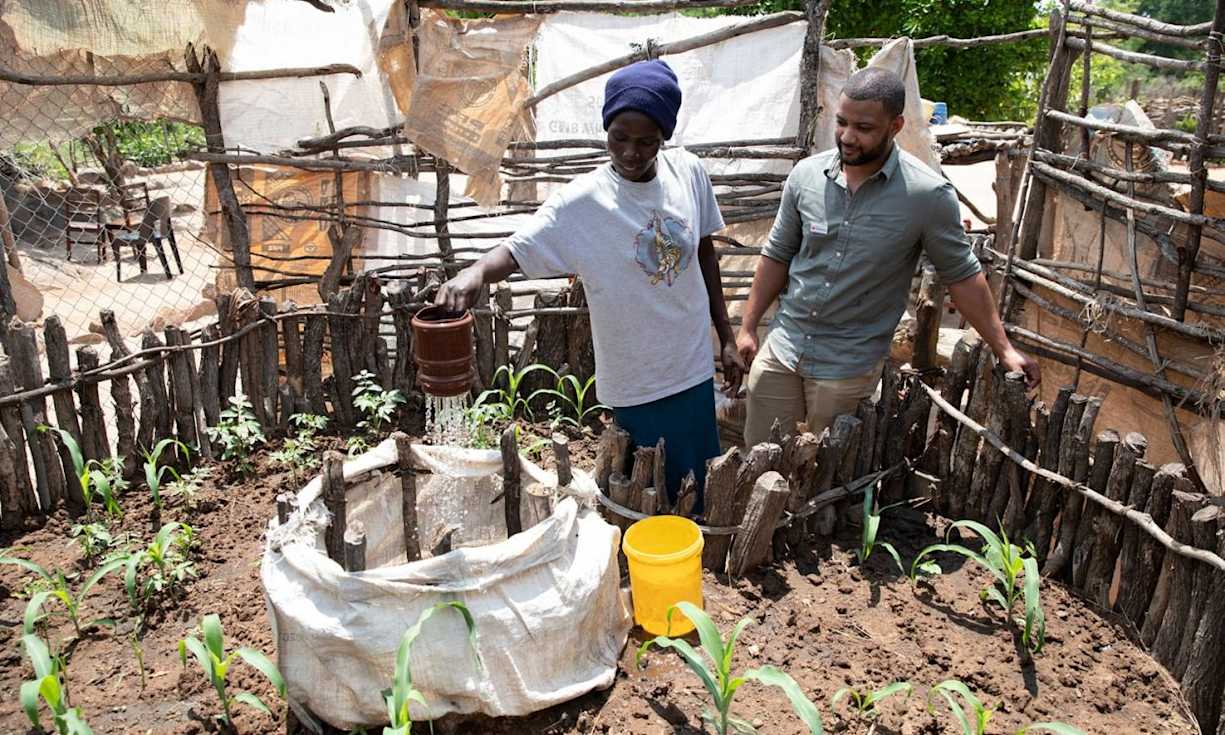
(833, 171)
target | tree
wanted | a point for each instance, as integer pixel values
(993, 82)
(1182, 12)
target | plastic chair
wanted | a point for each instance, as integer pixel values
(154, 226)
(85, 224)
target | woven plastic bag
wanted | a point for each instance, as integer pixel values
(551, 620)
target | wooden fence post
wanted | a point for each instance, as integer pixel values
(752, 546)
(1137, 587)
(335, 498)
(183, 389)
(408, 495)
(29, 374)
(1107, 525)
(156, 375)
(94, 440)
(721, 506)
(511, 470)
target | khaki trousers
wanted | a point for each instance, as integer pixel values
(777, 392)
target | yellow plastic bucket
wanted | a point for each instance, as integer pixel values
(665, 560)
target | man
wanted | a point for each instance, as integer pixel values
(845, 244)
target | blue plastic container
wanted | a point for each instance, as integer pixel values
(940, 113)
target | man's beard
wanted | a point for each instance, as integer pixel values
(867, 157)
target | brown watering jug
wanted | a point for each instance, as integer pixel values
(442, 348)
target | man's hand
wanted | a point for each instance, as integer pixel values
(734, 369)
(459, 293)
(1014, 360)
(747, 346)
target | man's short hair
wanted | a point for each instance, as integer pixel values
(878, 85)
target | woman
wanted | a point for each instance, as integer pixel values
(632, 230)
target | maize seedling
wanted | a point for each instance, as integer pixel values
(975, 722)
(865, 701)
(168, 556)
(216, 664)
(58, 589)
(48, 684)
(91, 476)
(1015, 571)
(719, 681)
(402, 691)
(155, 473)
(871, 525)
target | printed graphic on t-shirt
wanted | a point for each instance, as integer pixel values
(663, 248)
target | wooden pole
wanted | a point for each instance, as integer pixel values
(1203, 680)
(561, 453)
(1196, 163)
(227, 320)
(721, 506)
(206, 88)
(155, 374)
(1105, 554)
(1167, 633)
(339, 328)
(355, 547)
(408, 495)
(1205, 525)
(1170, 480)
(60, 369)
(28, 371)
(14, 430)
(1072, 460)
(929, 309)
(210, 377)
(1007, 505)
(94, 440)
(642, 475)
(815, 12)
(270, 361)
(181, 376)
(953, 387)
(12, 499)
(284, 506)
(334, 497)
(752, 545)
(312, 364)
(511, 482)
(965, 450)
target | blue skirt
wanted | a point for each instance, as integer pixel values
(686, 421)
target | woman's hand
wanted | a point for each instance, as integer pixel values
(459, 293)
(734, 369)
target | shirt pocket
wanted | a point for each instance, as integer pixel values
(882, 237)
(819, 221)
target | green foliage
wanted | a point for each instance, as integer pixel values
(717, 677)
(57, 587)
(871, 525)
(185, 487)
(216, 663)
(1182, 12)
(573, 396)
(972, 715)
(865, 701)
(95, 539)
(155, 472)
(166, 563)
(1015, 571)
(505, 401)
(50, 685)
(300, 452)
(92, 476)
(238, 433)
(377, 407)
(987, 83)
(402, 692)
(153, 143)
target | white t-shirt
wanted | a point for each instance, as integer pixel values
(635, 247)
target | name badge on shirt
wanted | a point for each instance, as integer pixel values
(818, 228)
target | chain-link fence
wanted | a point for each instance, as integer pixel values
(104, 213)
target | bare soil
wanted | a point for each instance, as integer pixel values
(821, 617)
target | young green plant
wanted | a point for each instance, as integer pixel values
(50, 686)
(91, 476)
(377, 407)
(238, 433)
(1015, 571)
(871, 526)
(56, 587)
(718, 678)
(865, 701)
(573, 395)
(506, 399)
(155, 471)
(974, 722)
(300, 452)
(216, 663)
(168, 558)
(402, 692)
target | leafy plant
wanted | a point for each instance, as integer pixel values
(185, 487)
(94, 538)
(575, 399)
(377, 407)
(168, 560)
(719, 681)
(865, 701)
(975, 721)
(301, 451)
(57, 588)
(50, 686)
(90, 476)
(505, 399)
(402, 691)
(238, 432)
(480, 424)
(871, 525)
(155, 471)
(1015, 571)
(216, 663)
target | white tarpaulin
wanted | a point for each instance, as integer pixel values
(744, 88)
(272, 114)
(550, 617)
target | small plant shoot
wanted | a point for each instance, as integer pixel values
(238, 433)
(402, 693)
(216, 665)
(50, 686)
(864, 702)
